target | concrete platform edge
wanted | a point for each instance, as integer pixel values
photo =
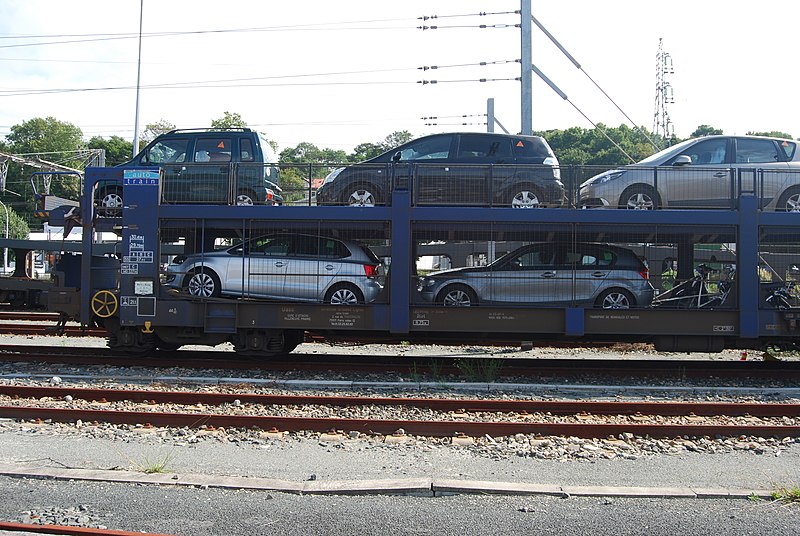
(412, 486)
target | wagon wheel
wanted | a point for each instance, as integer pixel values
(104, 303)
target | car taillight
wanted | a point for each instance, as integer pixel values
(644, 272)
(370, 270)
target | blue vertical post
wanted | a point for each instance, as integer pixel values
(747, 269)
(402, 252)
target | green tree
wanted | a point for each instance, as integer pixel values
(53, 140)
(399, 137)
(705, 130)
(772, 134)
(365, 151)
(17, 228)
(592, 147)
(229, 120)
(118, 150)
(153, 130)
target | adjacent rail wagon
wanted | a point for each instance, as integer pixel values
(161, 273)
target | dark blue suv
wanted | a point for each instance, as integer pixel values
(233, 166)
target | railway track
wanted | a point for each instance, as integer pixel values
(432, 365)
(445, 418)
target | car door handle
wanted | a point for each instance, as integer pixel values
(598, 274)
(548, 274)
(280, 264)
(721, 174)
(330, 267)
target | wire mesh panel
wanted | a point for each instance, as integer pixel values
(280, 262)
(362, 185)
(208, 183)
(543, 266)
(779, 269)
(484, 185)
(779, 189)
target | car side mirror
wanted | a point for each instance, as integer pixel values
(682, 160)
(397, 156)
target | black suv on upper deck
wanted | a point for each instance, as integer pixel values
(206, 166)
(464, 169)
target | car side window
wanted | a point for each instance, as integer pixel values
(212, 150)
(277, 246)
(246, 153)
(427, 149)
(473, 147)
(756, 151)
(536, 259)
(332, 249)
(167, 152)
(708, 152)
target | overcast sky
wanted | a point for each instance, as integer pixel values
(341, 73)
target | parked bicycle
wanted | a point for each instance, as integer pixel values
(699, 292)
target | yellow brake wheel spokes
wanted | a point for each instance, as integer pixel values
(104, 303)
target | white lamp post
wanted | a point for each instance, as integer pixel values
(5, 250)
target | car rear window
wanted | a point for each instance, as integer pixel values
(530, 148)
(788, 149)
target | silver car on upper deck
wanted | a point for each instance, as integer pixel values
(702, 173)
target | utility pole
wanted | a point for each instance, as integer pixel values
(526, 61)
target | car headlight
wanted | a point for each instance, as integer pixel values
(603, 178)
(552, 161)
(332, 175)
(424, 283)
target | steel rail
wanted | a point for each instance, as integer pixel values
(27, 528)
(730, 409)
(445, 364)
(390, 427)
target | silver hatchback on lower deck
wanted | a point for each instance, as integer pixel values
(588, 274)
(283, 267)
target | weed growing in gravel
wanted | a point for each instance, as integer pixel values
(482, 370)
(787, 495)
(157, 465)
(435, 367)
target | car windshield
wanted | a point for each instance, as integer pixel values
(667, 153)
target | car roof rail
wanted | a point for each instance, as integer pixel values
(210, 129)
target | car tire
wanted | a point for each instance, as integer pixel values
(789, 201)
(203, 283)
(363, 195)
(526, 196)
(245, 198)
(344, 294)
(457, 296)
(639, 197)
(615, 298)
(109, 200)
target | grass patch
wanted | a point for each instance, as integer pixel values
(480, 370)
(787, 495)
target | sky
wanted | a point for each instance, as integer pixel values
(337, 74)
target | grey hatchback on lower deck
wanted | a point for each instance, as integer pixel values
(588, 274)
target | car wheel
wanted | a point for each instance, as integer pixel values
(110, 199)
(203, 283)
(616, 298)
(789, 201)
(639, 197)
(366, 196)
(344, 295)
(245, 198)
(457, 296)
(526, 196)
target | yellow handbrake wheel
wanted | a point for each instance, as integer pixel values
(104, 303)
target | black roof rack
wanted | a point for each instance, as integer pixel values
(210, 129)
